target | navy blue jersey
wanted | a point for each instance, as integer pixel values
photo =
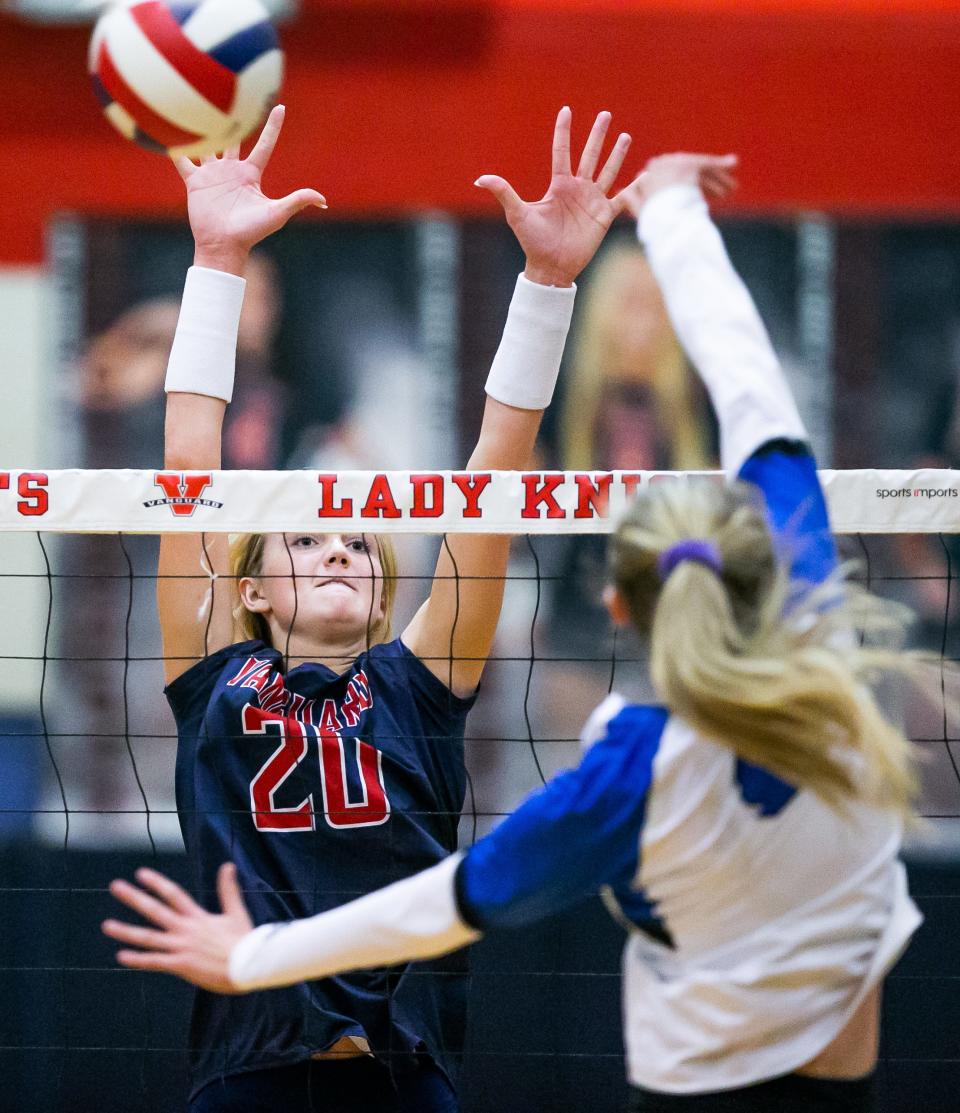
(321, 788)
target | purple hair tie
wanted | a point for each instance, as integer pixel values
(703, 552)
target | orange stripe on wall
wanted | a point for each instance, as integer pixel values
(848, 112)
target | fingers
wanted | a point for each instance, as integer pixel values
(716, 176)
(613, 165)
(717, 173)
(689, 159)
(231, 899)
(176, 897)
(632, 197)
(289, 206)
(138, 936)
(185, 167)
(594, 145)
(593, 149)
(716, 164)
(148, 960)
(718, 185)
(141, 902)
(260, 155)
(231, 153)
(561, 143)
(699, 164)
(503, 191)
(712, 173)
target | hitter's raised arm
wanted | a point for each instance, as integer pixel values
(711, 309)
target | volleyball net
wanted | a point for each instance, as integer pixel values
(88, 744)
(81, 653)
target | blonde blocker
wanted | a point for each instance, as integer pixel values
(621, 269)
(246, 559)
(750, 663)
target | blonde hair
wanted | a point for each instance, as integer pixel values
(246, 559)
(753, 664)
(623, 269)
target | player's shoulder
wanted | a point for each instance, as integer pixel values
(191, 693)
(398, 673)
(621, 742)
(389, 667)
(393, 650)
(615, 721)
(223, 662)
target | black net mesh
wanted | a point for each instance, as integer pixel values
(89, 767)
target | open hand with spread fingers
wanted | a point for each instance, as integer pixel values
(229, 213)
(186, 940)
(561, 233)
(712, 173)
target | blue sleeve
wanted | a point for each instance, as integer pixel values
(786, 474)
(579, 832)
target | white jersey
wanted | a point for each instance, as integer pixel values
(780, 916)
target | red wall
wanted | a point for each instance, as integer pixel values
(400, 104)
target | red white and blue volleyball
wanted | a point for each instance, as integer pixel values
(186, 77)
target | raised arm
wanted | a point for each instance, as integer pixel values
(762, 437)
(453, 632)
(228, 215)
(711, 309)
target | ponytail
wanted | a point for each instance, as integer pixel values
(778, 679)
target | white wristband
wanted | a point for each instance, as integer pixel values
(412, 919)
(204, 354)
(527, 363)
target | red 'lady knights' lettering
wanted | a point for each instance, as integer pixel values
(472, 487)
(380, 502)
(593, 499)
(536, 493)
(421, 484)
(328, 509)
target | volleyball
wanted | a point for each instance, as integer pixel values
(188, 77)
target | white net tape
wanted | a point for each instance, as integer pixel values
(74, 501)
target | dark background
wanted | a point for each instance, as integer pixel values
(78, 1034)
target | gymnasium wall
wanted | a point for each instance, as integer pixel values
(27, 400)
(832, 104)
(845, 106)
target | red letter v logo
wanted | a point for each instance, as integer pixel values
(182, 491)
